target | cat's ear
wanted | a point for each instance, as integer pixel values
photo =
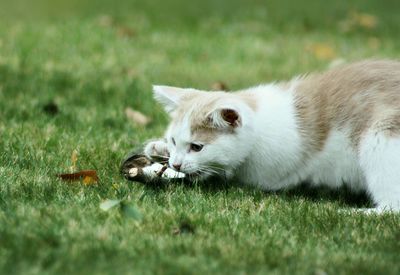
(169, 96)
(225, 118)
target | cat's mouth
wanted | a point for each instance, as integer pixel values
(203, 172)
(193, 175)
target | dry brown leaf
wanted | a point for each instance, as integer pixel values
(356, 19)
(137, 117)
(88, 177)
(105, 20)
(219, 86)
(123, 31)
(365, 20)
(323, 51)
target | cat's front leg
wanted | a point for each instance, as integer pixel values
(156, 148)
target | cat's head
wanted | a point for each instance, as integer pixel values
(210, 132)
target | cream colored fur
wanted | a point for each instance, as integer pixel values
(333, 128)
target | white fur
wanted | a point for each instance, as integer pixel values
(336, 164)
(275, 139)
(278, 161)
(380, 159)
(267, 151)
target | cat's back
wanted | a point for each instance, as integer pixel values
(351, 98)
(365, 77)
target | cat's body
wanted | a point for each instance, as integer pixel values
(338, 127)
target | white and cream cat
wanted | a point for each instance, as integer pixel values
(333, 128)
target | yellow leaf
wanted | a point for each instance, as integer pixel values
(88, 180)
(357, 19)
(105, 20)
(365, 20)
(219, 86)
(88, 177)
(322, 51)
(137, 117)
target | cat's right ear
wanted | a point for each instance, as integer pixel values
(168, 96)
(225, 117)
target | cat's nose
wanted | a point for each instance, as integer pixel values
(177, 166)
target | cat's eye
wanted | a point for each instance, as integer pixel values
(173, 141)
(195, 147)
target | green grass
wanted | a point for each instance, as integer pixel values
(70, 54)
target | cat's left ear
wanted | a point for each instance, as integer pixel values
(226, 117)
(169, 96)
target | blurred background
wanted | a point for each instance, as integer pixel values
(177, 41)
(112, 51)
(75, 93)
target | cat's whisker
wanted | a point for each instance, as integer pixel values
(217, 169)
(214, 167)
(208, 170)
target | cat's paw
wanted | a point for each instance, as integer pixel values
(158, 148)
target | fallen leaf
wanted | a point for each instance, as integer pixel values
(105, 20)
(356, 20)
(219, 86)
(87, 180)
(137, 117)
(367, 21)
(108, 204)
(123, 31)
(322, 51)
(88, 176)
(130, 211)
(126, 209)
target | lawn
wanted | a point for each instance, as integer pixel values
(68, 70)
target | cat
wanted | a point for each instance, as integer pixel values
(339, 127)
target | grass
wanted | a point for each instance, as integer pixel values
(93, 59)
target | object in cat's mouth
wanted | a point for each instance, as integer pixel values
(138, 167)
